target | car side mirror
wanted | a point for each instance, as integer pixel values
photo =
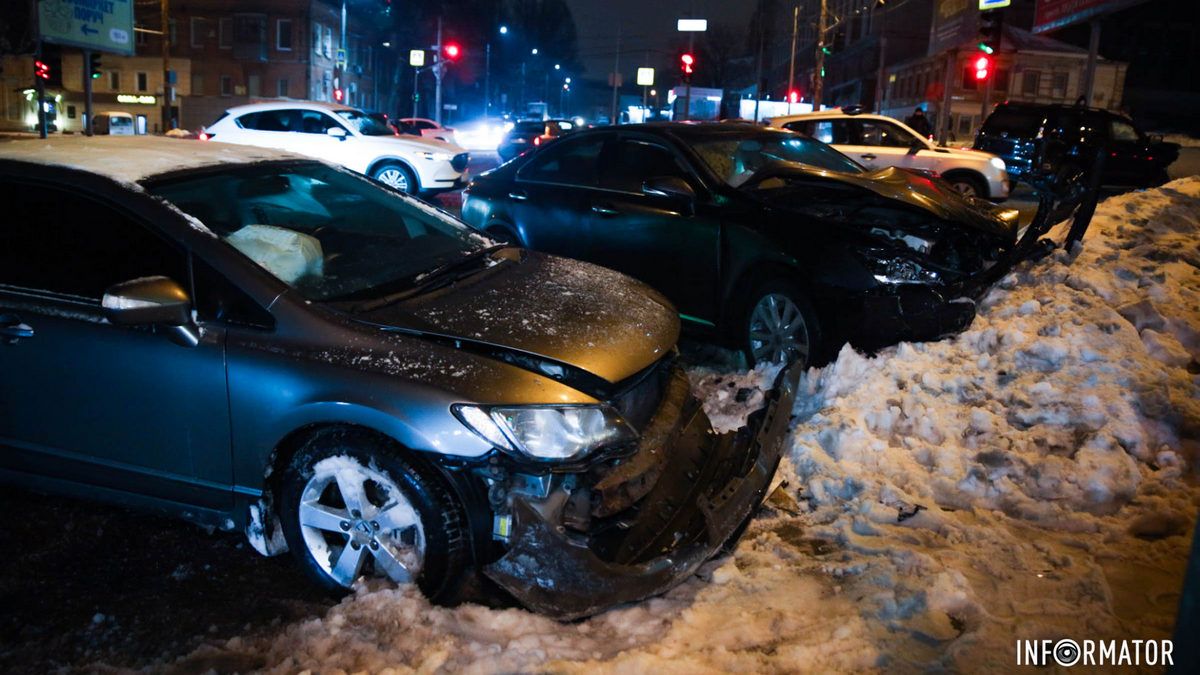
(149, 301)
(668, 186)
(152, 301)
(337, 132)
(916, 147)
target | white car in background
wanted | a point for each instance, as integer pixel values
(876, 141)
(428, 128)
(347, 136)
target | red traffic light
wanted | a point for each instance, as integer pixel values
(337, 95)
(793, 96)
(41, 69)
(686, 63)
(983, 66)
(453, 51)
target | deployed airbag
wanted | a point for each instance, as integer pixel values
(287, 254)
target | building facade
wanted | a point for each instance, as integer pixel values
(1028, 68)
(222, 53)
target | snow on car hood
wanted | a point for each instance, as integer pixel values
(586, 316)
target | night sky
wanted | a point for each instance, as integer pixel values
(644, 25)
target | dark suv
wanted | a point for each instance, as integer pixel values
(1064, 138)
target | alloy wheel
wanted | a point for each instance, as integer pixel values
(356, 519)
(394, 177)
(778, 332)
(965, 188)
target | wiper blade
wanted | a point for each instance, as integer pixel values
(438, 277)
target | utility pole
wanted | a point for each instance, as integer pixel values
(437, 74)
(1089, 74)
(344, 52)
(792, 56)
(880, 86)
(758, 68)
(168, 91)
(487, 81)
(416, 94)
(819, 70)
(616, 76)
(87, 92)
(687, 79)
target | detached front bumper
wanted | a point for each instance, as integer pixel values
(710, 486)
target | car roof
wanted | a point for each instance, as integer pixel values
(287, 105)
(132, 159)
(829, 114)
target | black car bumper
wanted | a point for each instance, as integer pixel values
(891, 313)
(724, 477)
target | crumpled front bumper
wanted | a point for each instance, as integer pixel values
(555, 573)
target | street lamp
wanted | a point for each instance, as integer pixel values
(557, 67)
(504, 30)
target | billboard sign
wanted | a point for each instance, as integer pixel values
(95, 25)
(955, 22)
(1055, 14)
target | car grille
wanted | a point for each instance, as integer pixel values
(460, 161)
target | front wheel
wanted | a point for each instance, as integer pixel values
(397, 176)
(779, 326)
(351, 507)
(968, 186)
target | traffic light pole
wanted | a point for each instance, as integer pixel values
(687, 96)
(40, 84)
(87, 92)
(437, 75)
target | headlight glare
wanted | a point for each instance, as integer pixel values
(997, 163)
(548, 433)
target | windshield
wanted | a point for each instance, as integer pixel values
(327, 233)
(735, 158)
(365, 124)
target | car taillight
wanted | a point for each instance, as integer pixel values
(537, 140)
(204, 136)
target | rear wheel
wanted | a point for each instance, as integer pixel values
(351, 506)
(779, 325)
(397, 176)
(968, 185)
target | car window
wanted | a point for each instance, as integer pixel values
(569, 162)
(529, 127)
(269, 120)
(365, 124)
(317, 122)
(1015, 122)
(421, 124)
(325, 232)
(885, 134)
(734, 159)
(630, 162)
(1123, 131)
(61, 242)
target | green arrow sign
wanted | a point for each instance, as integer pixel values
(98, 25)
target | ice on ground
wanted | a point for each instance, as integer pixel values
(1029, 478)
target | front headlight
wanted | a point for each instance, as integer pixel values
(548, 433)
(439, 156)
(901, 271)
(997, 163)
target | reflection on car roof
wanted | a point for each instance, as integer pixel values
(130, 160)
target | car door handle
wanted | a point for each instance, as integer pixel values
(518, 195)
(868, 156)
(11, 329)
(604, 210)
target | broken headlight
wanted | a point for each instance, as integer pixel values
(548, 433)
(900, 271)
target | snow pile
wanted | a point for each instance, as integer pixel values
(1028, 478)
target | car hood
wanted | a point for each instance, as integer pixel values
(415, 143)
(932, 195)
(565, 311)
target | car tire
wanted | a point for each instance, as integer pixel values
(337, 542)
(776, 321)
(969, 185)
(396, 175)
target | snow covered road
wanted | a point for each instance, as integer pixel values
(1030, 478)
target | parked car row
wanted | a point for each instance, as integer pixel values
(256, 340)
